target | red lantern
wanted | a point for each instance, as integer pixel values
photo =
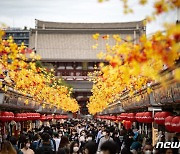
(113, 118)
(131, 117)
(24, 116)
(139, 116)
(49, 117)
(175, 123)
(37, 116)
(119, 118)
(42, 118)
(29, 116)
(168, 121)
(6, 116)
(159, 117)
(57, 117)
(147, 117)
(127, 124)
(18, 117)
(124, 116)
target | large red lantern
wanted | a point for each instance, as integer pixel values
(6, 116)
(139, 116)
(113, 118)
(64, 117)
(159, 117)
(175, 123)
(42, 118)
(119, 118)
(18, 117)
(131, 117)
(168, 121)
(127, 124)
(147, 117)
(30, 116)
(123, 116)
(49, 117)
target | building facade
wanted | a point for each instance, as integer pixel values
(67, 47)
(19, 35)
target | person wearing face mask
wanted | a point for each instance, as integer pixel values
(106, 137)
(26, 148)
(89, 138)
(74, 148)
(82, 140)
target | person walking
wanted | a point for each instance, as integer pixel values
(26, 148)
(106, 137)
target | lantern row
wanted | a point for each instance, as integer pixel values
(172, 123)
(9, 116)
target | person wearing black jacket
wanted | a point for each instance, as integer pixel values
(45, 146)
(117, 141)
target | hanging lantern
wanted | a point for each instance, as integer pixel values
(159, 117)
(175, 123)
(49, 117)
(147, 117)
(119, 118)
(6, 116)
(29, 116)
(131, 117)
(57, 117)
(123, 116)
(37, 116)
(24, 116)
(113, 118)
(127, 124)
(168, 121)
(139, 116)
(42, 118)
(18, 117)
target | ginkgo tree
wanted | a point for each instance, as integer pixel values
(132, 67)
(20, 70)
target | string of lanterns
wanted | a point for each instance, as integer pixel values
(171, 123)
(18, 117)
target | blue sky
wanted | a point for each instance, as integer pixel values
(20, 13)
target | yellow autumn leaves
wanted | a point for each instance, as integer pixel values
(132, 66)
(20, 71)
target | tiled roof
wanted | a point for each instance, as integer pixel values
(59, 44)
(61, 25)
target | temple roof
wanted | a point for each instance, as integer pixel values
(73, 41)
(62, 25)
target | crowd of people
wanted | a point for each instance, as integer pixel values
(81, 137)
